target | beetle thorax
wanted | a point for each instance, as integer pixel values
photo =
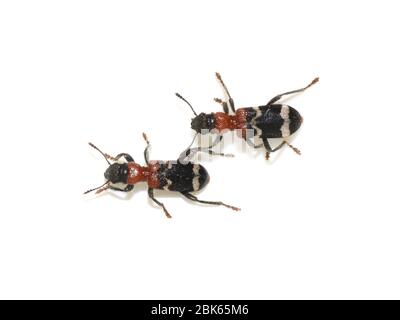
(136, 173)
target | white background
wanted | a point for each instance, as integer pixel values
(321, 225)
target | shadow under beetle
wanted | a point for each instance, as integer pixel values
(177, 176)
(273, 120)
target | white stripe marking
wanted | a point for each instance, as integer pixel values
(169, 182)
(195, 181)
(286, 121)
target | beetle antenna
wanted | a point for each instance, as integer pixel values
(180, 97)
(104, 155)
(103, 187)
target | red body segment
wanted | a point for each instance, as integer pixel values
(237, 121)
(152, 178)
(139, 173)
(224, 121)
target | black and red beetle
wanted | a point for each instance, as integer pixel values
(273, 120)
(179, 176)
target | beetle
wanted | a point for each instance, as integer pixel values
(180, 176)
(273, 120)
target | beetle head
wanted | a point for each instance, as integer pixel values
(203, 122)
(117, 173)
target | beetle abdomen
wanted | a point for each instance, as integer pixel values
(174, 176)
(277, 121)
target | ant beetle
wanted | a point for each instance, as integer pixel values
(177, 176)
(273, 120)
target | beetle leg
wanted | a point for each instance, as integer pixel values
(146, 150)
(223, 104)
(151, 196)
(293, 148)
(269, 149)
(251, 143)
(189, 153)
(228, 99)
(218, 203)
(279, 96)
